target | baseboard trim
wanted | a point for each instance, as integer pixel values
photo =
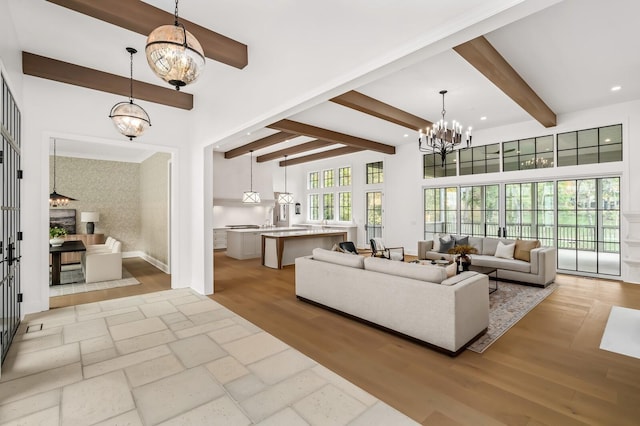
(152, 260)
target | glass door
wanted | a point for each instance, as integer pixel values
(10, 235)
(374, 224)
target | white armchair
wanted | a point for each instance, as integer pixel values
(107, 246)
(103, 265)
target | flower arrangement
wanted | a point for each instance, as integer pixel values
(57, 232)
(463, 250)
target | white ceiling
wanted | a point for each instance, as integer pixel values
(303, 52)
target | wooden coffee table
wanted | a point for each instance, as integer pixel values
(487, 270)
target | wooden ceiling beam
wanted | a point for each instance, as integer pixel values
(142, 18)
(259, 144)
(486, 59)
(52, 69)
(298, 149)
(371, 106)
(303, 129)
(322, 155)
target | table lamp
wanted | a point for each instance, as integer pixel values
(90, 218)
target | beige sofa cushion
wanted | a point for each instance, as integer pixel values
(489, 245)
(429, 273)
(523, 249)
(505, 251)
(344, 259)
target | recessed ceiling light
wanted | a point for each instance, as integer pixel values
(406, 135)
(483, 118)
(616, 88)
(607, 140)
(248, 133)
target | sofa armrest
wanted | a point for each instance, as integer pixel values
(543, 263)
(423, 248)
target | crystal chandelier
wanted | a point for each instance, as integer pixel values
(130, 119)
(251, 196)
(442, 139)
(174, 54)
(285, 197)
(55, 199)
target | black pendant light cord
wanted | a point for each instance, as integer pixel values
(131, 51)
(176, 14)
(285, 174)
(250, 166)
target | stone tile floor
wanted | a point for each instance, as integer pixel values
(170, 358)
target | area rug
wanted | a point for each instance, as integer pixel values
(72, 281)
(622, 331)
(507, 306)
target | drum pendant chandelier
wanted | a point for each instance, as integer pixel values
(130, 119)
(174, 54)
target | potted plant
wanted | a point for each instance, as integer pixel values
(56, 236)
(463, 251)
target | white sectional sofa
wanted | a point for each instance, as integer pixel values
(416, 301)
(102, 262)
(540, 270)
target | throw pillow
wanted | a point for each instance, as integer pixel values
(505, 251)
(436, 241)
(461, 241)
(445, 246)
(523, 249)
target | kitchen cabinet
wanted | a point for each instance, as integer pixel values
(219, 239)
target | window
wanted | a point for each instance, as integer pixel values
(530, 211)
(327, 206)
(344, 176)
(344, 206)
(524, 154)
(327, 178)
(479, 214)
(440, 211)
(314, 180)
(432, 166)
(314, 207)
(480, 159)
(374, 173)
(600, 145)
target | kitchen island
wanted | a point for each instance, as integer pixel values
(282, 248)
(246, 243)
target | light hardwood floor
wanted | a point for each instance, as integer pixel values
(547, 369)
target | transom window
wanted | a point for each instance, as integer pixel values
(600, 145)
(314, 180)
(375, 173)
(480, 159)
(344, 176)
(327, 178)
(524, 154)
(432, 166)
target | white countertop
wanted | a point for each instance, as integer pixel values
(319, 225)
(264, 230)
(318, 232)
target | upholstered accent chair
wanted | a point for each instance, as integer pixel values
(103, 264)
(378, 249)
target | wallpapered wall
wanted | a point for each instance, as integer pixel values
(132, 199)
(110, 188)
(154, 203)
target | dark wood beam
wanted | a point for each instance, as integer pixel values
(331, 136)
(371, 106)
(142, 18)
(321, 155)
(260, 143)
(52, 69)
(486, 59)
(298, 149)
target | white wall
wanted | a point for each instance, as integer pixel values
(10, 54)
